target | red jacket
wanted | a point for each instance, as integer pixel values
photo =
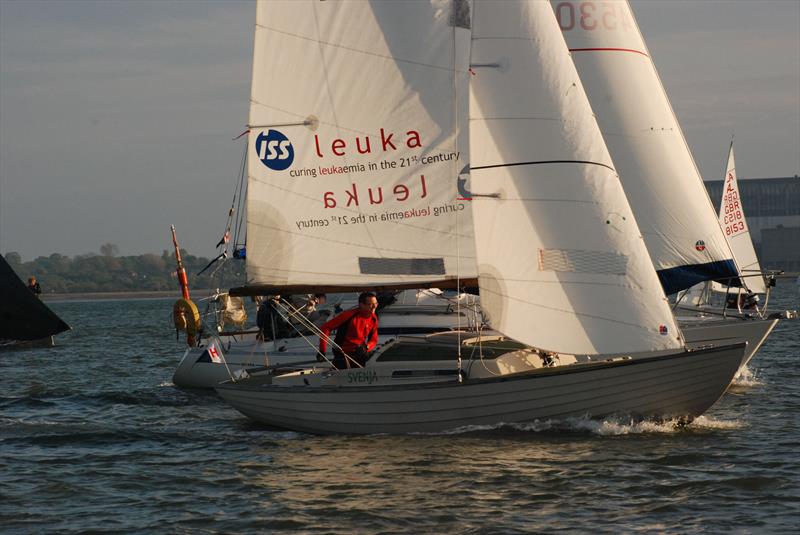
(362, 329)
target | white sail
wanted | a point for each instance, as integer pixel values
(356, 143)
(731, 216)
(657, 170)
(562, 265)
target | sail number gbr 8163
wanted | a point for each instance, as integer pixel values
(733, 219)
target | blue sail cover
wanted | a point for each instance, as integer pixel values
(682, 277)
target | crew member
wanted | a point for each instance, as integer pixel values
(306, 306)
(356, 333)
(33, 286)
(316, 316)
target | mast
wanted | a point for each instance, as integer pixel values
(185, 315)
(180, 271)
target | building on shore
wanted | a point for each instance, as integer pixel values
(772, 209)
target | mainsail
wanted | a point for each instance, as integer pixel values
(656, 167)
(562, 264)
(357, 139)
(731, 216)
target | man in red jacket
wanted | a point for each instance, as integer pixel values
(356, 332)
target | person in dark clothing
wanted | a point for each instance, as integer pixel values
(270, 322)
(33, 286)
(356, 333)
(385, 299)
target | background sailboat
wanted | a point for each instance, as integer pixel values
(705, 303)
(684, 237)
(737, 232)
(24, 318)
(734, 223)
(661, 180)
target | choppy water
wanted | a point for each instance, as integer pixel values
(94, 438)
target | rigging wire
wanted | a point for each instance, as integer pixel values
(239, 193)
(294, 313)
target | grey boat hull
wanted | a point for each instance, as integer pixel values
(675, 386)
(712, 331)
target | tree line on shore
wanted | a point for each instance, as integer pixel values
(107, 272)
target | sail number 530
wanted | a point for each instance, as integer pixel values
(592, 16)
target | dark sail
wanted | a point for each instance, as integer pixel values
(22, 315)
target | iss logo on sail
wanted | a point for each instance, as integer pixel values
(274, 150)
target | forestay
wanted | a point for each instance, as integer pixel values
(657, 170)
(356, 142)
(562, 265)
(732, 219)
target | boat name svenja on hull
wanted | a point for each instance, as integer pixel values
(365, 376)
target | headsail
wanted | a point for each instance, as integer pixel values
(357, 138)
(731, 216)
(562, 265)
(657, 170)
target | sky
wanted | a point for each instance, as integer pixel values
(117, 117)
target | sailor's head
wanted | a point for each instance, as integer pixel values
(31, 280)
(367, 303)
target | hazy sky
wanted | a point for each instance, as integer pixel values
(116, 118)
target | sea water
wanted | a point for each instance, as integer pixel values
(95, 438)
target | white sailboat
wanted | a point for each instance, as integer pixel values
(684, 237)
(562, 268)
(706, 303)
(657, 170)
(737, 232)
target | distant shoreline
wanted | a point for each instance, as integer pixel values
(85, 296)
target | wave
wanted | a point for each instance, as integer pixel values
(746, 378)
(159, 397)
(612, 426)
